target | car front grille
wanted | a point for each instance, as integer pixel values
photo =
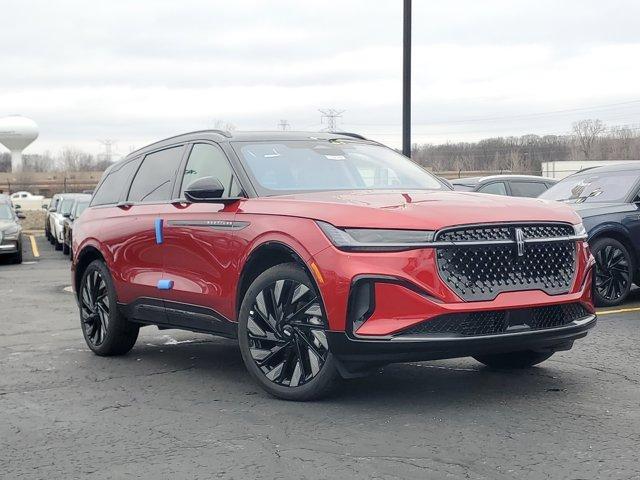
(497, 322)
(478, 263)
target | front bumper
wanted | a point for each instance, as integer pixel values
(354, 351)
(9, 247)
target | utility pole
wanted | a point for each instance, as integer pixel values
(406, 80)
(331, 116)
(284, 125)
(108, 148)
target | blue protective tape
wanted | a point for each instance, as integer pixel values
(159, 238)
(165, 284)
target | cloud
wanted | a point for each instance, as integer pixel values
(138, 71)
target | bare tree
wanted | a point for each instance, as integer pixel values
(74, 160)
(586, 133)
(223, 125)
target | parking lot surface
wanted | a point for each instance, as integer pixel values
(181, 405)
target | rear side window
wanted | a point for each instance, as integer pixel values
(495, 188)
(154, 179)
(111, 187)
(527, 189)
(207, 160)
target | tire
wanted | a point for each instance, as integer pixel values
(65, 249)
(613, 273)
(514, 360)
(57, 244)
(302, 368)
(17, 258)
(106, 331)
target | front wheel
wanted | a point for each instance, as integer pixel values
(613, 272)
(105, 329)
(523, 359)
(282, 336)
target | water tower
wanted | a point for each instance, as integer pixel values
(16, 133)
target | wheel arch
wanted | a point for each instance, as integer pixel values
(88, 254)
(620, 234)
(264, 256)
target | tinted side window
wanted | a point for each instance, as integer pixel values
(206, 160)
(154, 179)
(495, 188)
(111, 187)
(527, 189)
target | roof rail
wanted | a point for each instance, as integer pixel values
(224, 133)
(349, 134)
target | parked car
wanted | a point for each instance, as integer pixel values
(56, 218)
(510, 185)
(79, 205)
(324, 255)
(21, 196)
(50, 209)
(10, 230)
(608, 200)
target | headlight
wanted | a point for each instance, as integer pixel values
(579, 230)
(374, 239)
(11, 233)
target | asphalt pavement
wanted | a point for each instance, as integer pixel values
(181, 405)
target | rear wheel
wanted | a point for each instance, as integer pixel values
(613, 272)
(523, 359)
(65, 249)
(105, 329)
(17, 258)
(282, 336)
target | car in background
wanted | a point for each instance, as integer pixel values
(50, 209)
(18, 196)
(79, 205)
(510, 185)
(56, 219)
(608, 200)
(10, 230)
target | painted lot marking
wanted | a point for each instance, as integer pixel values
(34, 246)
(620, 310)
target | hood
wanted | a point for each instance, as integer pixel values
(410, 209)
(586, 210)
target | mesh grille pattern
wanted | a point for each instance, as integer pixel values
(505, 232)
(480, 272)
(499, 321)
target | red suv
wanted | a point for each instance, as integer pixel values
(325, 255)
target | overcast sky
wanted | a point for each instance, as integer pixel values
(138, 71)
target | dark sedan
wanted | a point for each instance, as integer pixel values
(510, 185)
(608, 200)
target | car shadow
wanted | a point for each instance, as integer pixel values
(439, 384)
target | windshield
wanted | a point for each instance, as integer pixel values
(295, 166)
(6, 213)
(594, 187)
(65, 206)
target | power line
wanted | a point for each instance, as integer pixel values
(331, 116)
(108, 148)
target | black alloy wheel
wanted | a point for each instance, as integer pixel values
(105, 329)
(612, 273)
(95, 308)
(282, 335)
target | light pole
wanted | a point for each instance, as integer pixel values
(406, 80)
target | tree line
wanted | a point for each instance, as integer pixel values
(69, 159)
(588, 140)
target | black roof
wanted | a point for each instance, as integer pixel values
(618, 167)
(246, 136)
(472, 181)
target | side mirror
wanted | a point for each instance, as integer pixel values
(21, 215)
(66, 215)
(45, 206)
(205, 189)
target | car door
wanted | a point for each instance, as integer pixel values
(135, 236)
(198, 246)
